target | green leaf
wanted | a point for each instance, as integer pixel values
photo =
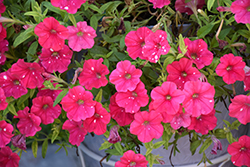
(95, 8)
(106, 62)
(23, 36)
(114, 6)
(52, 8)
(203, 31)
(158, 144)
(230, 138)
(12, 109)
(105, 145)
(182, 46)
(60, 96)
(227, 123)
(98, 97)
(112, 152)
(205, 145)
(168, 61)
(150, 159)
(210, 3)
(33, 47)
(235, 125)
(118, 147)
(55, 133)
(31, 92)
(194, 145)
(72, 19)
(149, 150)
(23, 98)
(44, 148)
(34, 148)
(94, 22)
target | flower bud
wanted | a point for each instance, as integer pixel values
(19, 141)
(217, 145)
(114, 135)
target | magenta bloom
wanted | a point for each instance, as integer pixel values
(93, 74)
(231, 68)
(180, 119)
(3, 33)
(241, 10)
(78, 104)
(12, 85)
(182, 71)
(133, 100)
(43, 107)
(114, 136)
(81, 37)
(76, 130)
(199, 98)
(247, 78)
(51, 34)
(70, 6)
(167, 98)
(3, 103)
(49, 92)
(30, 74)
(135, 41)
(239, 108)
(2, 7)
(56, 60)
(129, 158)
(98, 122)
(19, 141)
(8, 158)
(197, 52)
(118, 113)
(159, 3)
(147, 126)
(240, 151)
(6, 130)
(3, 48)
(28, 123)
(190, 7)
(125, 76)
(203, 123)
(156, 44)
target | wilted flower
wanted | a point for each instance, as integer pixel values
(114, 136)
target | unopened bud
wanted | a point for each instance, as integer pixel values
(114, 136)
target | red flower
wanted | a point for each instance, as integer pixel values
(78, 104)
(43, 107)
(2, 7)
(118, 113)
(199, 98)
(76, 130)
(147, 126)
(93, 74)
(49, 92)
(189, 7)
(156, 44)
(8, 158)
(182, 71)
(3, 103)
(70, 6)
(231, 68)
(12, 85)
(125, 76)
(129, 158)
(51, 34)
(28, 123)
(135, 41)
(239, 108)
(56, 60)
(19, 141)
(3, 48)
(98, 122)
(81, 37)
(5, 133)
(3, 33)
(247, 78)
(114, 136)
(159, 3)
(197, 52)
(30, 74)
(180, 119)
(167, 98)
(133, 100)
(240, 151)
(203, 123)
(241, 10)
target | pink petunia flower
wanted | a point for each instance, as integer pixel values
(6, 130)
(56, 60)
(114, 136)
(241, 10)
(118, 113)
(30, 74)
(240, 151)
(28, 123)
(231, 68)
(12, 85)
(190, 7)
(135, 41)
(3, 33)
(156, 44)
(3, 48)
(49, 92)
(76, 130)
(81, 37)
(203, 123)
(133, 100)
(239, 108)
(180, 120)
(19, 141)
(217, 145)
(159, 3)
(93, 74)
(51, 34)
(198, 53)
(2, 7)
(167, 98)
(42, 106)
(125, 76)
(247, 78)
(8, 158)
(78, 104)
(98, 122)
(199, 98)
(70, 6)
(182, 71)
(147, 126)
(3, 103)
(129, 158)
